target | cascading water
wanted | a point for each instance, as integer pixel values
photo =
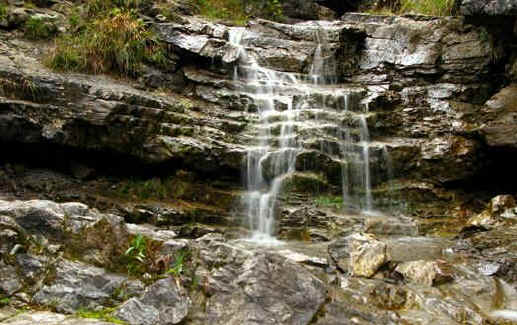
(290, 108)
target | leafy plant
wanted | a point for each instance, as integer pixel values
(39, 28)
(178, 265)
(136, 254)
(4, 301)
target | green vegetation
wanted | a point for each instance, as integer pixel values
(4, 301)
(421, 7)
(3, 11)
(108, 37)
(103, 314)
(179, 261)
(427, 7)
(329, 201)
(239, 11)
(37, 28)
(136, 254)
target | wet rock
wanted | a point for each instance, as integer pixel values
(502, 209)
(11, 234)
(406, 249)
(427, 273)
(49, 318)
(384, 225)
(77, 285)
(489, 7)
(367, 254)
(498, 132)
(243, 287)
(10, 281)
(164, 302)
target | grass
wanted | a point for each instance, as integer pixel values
(421, 7)
(39, 28)
(107, 39)
(103, 314)
(427, 7)
(239, 11)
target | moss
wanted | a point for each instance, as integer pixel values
(3, 11)
(103, 314)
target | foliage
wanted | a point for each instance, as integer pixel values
(4, 301)
(239, 11)
(152, 188)
(107, 37)
(178, 265)
(427, 7)
(329, 201)
(136, 254)
(38, 28)
(103, 314)
(421, 7)
(3, 11)
(119, 43)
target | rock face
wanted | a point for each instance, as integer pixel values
(490, 7)
(501, 210)
(498, 131)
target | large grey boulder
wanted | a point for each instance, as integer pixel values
(77, 285)
(165, 302)
(246, 287)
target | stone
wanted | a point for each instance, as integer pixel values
(487, 7)
(164, 302)
(10, 281)
(243, 287)
(429, 273)
(367, 254)
(498, 131)
(77, 285)
(49, 318)
(500, 210)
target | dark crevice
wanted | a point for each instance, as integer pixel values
(103, 163)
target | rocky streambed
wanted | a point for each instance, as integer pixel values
(121, 200)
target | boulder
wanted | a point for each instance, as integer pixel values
(246, 287)
(429, 273)
(164, 302)
(500, 210)
(81, 286)
(499, 131)
(487, 7)
(367, 254)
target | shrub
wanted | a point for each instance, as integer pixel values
(117, 43)
(39, 28)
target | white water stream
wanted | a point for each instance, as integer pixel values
(289, 109)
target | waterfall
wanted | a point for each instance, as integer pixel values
(296, 114)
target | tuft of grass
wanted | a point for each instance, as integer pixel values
(239, 11)
(118, 43)
(39, 28)
(103, 314)
(427, 7)
(420, 7)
